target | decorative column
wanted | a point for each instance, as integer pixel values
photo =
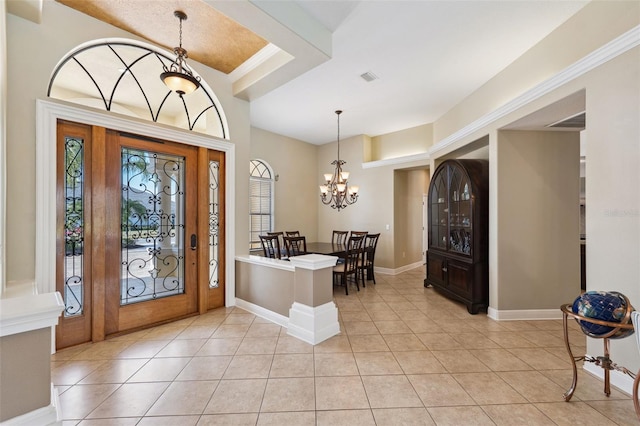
(313, 317)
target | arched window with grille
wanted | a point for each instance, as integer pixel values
(261, 185)
(121, 75)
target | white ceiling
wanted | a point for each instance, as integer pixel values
(428, 55)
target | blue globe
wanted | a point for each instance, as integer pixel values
(608, 306)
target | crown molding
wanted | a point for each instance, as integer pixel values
(263, 55)
(423, 156)
(611, 50)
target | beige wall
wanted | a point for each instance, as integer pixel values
(296, 191)
(25, 372)
(264, 286)
(613, 188)
(3, 144)
(410, 141)
(409, 187)
(33, 51)
(538, 229)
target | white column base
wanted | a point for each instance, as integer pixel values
(313, 325)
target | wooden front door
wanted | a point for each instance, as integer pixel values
(151, 269)
(140, 232)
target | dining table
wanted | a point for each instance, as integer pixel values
(330, 249)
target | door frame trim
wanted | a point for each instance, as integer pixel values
(47, 114)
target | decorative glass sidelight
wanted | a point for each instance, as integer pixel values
(153, 229)
(74, 225)
(214, 223)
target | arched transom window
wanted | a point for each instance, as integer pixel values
(123, 76)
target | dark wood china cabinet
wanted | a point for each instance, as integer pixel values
(458, 254)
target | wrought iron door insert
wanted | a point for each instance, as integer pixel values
(74, 225)
(153, 227)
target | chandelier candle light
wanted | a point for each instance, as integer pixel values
(337, 192)
(178, 76)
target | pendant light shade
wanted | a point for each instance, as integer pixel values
(178, 76)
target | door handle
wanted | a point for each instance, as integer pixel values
(444, 269)
(193, 241)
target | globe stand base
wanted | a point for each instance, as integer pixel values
(603, 361)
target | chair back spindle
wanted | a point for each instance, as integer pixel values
(339, 237)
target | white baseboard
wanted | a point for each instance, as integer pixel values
(312, 325)
(524, 314)
(45, 416)
(274, 317)
(621, 381)
(396, 271)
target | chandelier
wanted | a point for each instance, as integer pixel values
(337, 192)
(178, 76)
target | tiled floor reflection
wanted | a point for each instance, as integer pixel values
(406, 356)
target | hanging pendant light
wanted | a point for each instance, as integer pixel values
(178, 76)
(337, 192)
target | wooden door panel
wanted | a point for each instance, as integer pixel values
(152, 274)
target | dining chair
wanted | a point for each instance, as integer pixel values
(271, 246)
(295, 246)
(365, 263)
(339, 237)
(292, 233)
(280, 235)
(350, 265)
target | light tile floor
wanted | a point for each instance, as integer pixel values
(406, 355)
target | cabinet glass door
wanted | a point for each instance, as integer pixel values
(439, 212)
(460, 220)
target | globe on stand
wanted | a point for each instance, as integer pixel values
(610, 306)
